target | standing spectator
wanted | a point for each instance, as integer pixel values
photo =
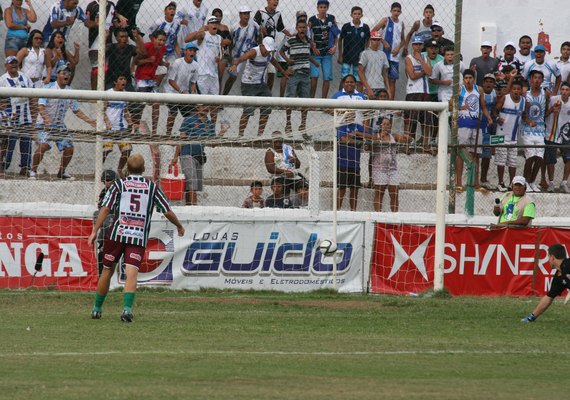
(421, 28)
(534, 128)
(270, 23)
(58, 55)
(384, 164)
(324, 36)
(118, 120)
(92, 13)
(147, 61)
(33, 60)
(281, 160)
(245, 36)
(485, 64)
(210, 46)
(563, 62)
(509, 58)
(255, 198)
(525, 49)
(192, 16)
(192, 156)
(349, 136)
(558, 133)
(126, 11)
(373, 67)
(433, 57)
(253, 80)
(486, 130)
(548, 68)
(20, 116)
(510, 109)
(224, 33)
(471, 106)
(299, 61)
(418, 70)
(437, 33)
(62, 17)
(52, 116)
(442, 75)
(182, 77)
(353, 40)
(120, 56)
(17, 20)
(394, 34)
(130, 231)
(171, 27)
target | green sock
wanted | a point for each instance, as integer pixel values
(128, 300)
(99, 299)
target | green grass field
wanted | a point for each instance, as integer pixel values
(250, 345)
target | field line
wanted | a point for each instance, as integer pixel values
(282, 353)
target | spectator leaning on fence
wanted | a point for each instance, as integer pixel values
(515, 208)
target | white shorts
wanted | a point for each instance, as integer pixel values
(506, 156)
(467, 136)
(383, 178)
(533, 151)
(271, 69)
(208, 85)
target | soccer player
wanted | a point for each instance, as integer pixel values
(52, 115)
(561, 280)
(132, 199)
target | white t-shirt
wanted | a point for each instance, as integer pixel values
(183, 74)
(444, 72)
(196, 17)
(115, 112)
(209, 49)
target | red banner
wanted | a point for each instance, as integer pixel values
(68, 264)
(477, 261)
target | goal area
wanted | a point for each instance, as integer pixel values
(299, 170)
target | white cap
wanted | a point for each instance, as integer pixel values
(519, 180)
(244, 9)
(510, 43)
(486, 43)
(268, 43)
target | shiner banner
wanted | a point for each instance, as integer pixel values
(477, 261)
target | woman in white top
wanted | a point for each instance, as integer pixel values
(32, 59)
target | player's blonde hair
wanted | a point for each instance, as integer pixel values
(135, 164)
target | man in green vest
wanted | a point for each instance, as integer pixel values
(515, 208)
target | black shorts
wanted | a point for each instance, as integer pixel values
(416, 115)
(550, 152)
(557, 287)
(347, 177)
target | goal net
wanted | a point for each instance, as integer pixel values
(208, 153)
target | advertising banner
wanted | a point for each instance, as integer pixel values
(262, 255)
(68, 262)
(477, 261)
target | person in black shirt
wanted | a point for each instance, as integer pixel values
(278, 199)
(561, 280)
(119, 57)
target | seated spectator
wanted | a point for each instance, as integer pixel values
(62, 17)
(192, 156)
(279, 199)
(281, 160)
(300, 199)
(58, 55)
(255, 198)
(17, 20)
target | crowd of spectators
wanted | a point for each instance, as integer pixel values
(520, 95)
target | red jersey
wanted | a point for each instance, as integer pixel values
(148, 71)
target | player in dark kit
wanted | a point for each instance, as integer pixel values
(133, 199)
(560, 281)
